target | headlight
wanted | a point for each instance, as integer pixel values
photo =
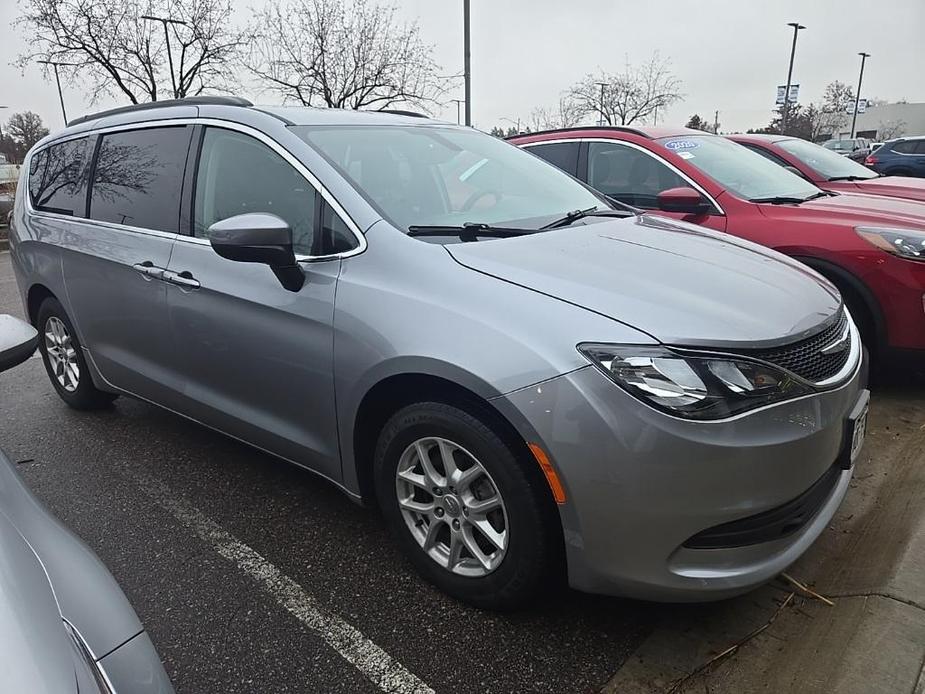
(905, 243)
(694, 387)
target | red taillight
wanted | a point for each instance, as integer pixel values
(870, 160)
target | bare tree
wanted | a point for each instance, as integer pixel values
(110, 46)
(21, 132)
(891, 129)
(566, 114)
(342, 55)
(635, 94)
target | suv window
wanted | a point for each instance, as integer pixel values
(57, 175)
(561, 154)
(138, 177)
(239, 174)
(910, 147)
(629, 175)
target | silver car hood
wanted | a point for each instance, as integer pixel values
(37, 652)
(680, 283)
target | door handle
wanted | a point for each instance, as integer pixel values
(148, 269)
(183, 279)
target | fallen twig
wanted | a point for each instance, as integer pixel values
(676, 686)
(809, 591)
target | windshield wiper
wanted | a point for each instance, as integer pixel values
(790, 199)
(470, 231)
(575, 215)
(852, 178)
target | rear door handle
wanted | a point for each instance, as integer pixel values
(149, 269)
(183, 279)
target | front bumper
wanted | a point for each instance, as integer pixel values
(639, 484)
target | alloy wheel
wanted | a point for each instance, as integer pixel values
(452, 507)
(62, 355)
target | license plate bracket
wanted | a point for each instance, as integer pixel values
(855, 431)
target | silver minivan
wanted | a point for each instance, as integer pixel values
(529, 383)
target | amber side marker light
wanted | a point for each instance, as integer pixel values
(558, 491)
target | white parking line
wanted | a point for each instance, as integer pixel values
(373, 662)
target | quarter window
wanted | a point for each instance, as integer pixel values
(239, 174)
(629, 175)
(57, 176)
(138, 178)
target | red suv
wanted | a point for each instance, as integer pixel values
(871, 247)
(830, 170)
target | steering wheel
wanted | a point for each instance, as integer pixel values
(478, 195)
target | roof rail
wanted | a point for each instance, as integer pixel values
(399, 112)
(618, 128)
(188, 101)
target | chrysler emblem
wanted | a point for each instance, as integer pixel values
(839, 344)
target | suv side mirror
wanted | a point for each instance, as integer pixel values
(259, 237)
(18, 341)
(683, 200)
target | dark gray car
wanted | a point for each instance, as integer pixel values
(528, 382)
(65, 625)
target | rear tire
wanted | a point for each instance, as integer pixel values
(64, 360)
(432, 509)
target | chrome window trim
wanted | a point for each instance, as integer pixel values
(319, 188)
(633, 145)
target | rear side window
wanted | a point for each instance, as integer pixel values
(57, 178)
(239, 174)
(561, 154)
(138, 178)
(910, 147)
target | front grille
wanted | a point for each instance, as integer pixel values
(805, 358)
(770, 525)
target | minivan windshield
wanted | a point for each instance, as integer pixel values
(738, 169)
(826, 162)
(422, 176)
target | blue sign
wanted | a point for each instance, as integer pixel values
(675, 145)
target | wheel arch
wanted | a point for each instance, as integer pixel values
(34, 297)
(845, 280)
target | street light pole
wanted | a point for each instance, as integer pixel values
(58, 82)
(165, 21)
(785, 111)
(467, 72)
(857, 96)
(458, 102)
(602, 85)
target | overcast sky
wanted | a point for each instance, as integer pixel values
(729, 54)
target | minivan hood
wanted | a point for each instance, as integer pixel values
(36, 655)
(682, 284)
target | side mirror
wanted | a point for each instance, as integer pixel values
(18, 341)
(794, 170)
(258, 237)
(683, 200)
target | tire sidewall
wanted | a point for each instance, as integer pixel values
(86, 395)
(527, 552)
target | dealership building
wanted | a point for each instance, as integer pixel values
(887, 121)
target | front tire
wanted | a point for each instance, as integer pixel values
(64, 359)
(464, 506)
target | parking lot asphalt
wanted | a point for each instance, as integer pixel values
(252, 575)
(161, 499)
